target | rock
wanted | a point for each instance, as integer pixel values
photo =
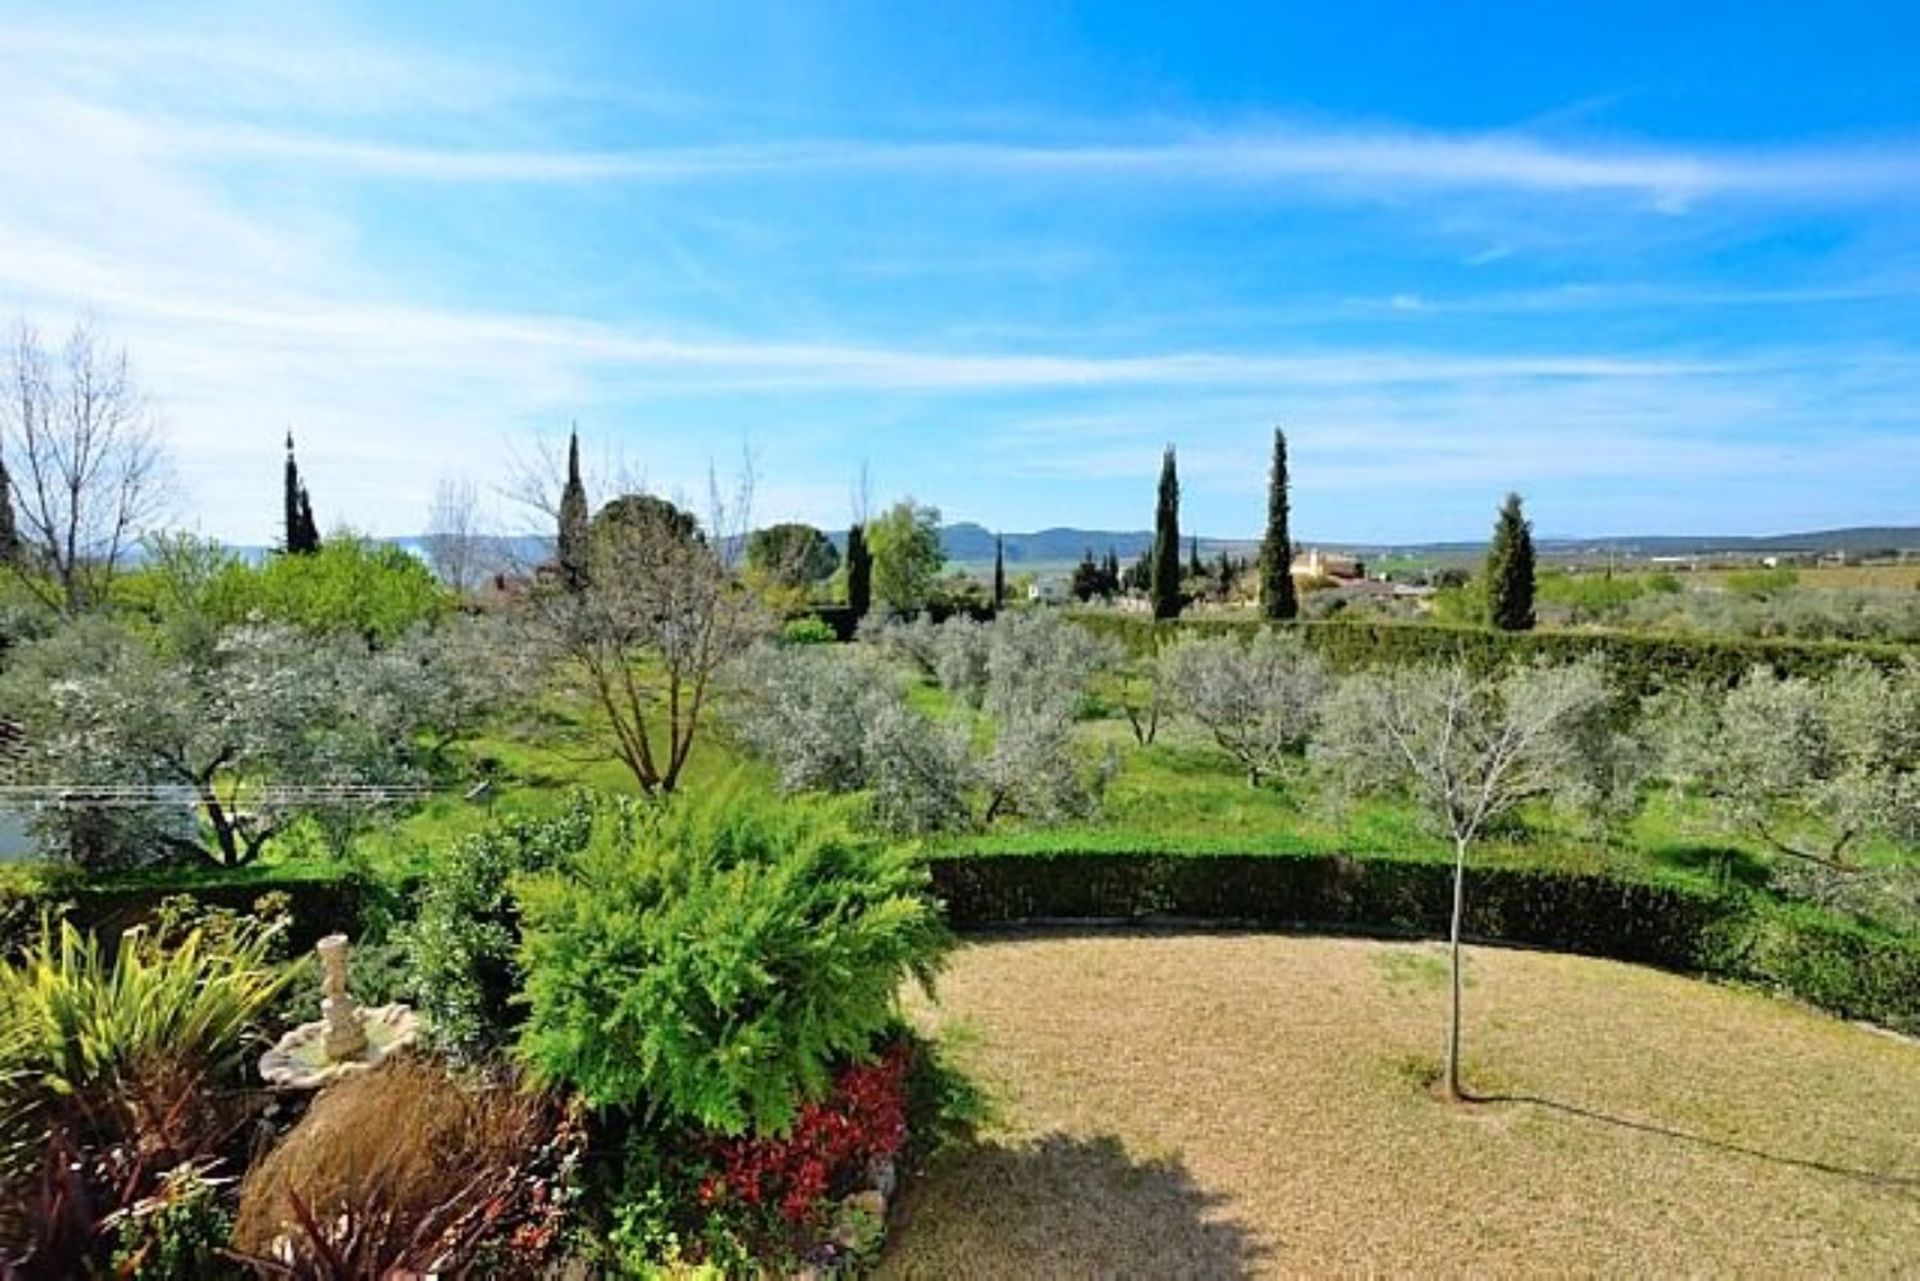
(883, 1176)
(861, 1221)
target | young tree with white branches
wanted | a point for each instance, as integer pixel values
(1470, 750)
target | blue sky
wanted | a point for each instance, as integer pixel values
(1655, 266)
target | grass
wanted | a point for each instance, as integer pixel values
(1895, 577)
(1229, 1105)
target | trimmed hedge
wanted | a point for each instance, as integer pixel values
(846, 626)
(1642, 664)
(1847, 969)
(319, 907)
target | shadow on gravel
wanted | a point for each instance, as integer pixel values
(1064, 1207)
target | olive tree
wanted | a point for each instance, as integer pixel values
(1040, 668)
(1259, 700)
(1469, 749)
(837, 720)
(916, 641)
(262, 728)
(1812, 767)
(457, 674)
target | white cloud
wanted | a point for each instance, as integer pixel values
(1670, 180)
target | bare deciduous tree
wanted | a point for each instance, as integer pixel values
(662, 615)
(1469, 750)
(85, 464)
(456, 542)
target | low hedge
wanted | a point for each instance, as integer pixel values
(1642, 664)
(318, 906)
(1847, 969)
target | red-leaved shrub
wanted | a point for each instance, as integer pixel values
(827, 1154)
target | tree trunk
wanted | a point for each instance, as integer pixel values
(1454, 1093)
(223, 834)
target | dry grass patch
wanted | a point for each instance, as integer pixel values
(1223, 1105)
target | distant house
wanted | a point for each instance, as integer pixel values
(1047, 591)
(1315, 563)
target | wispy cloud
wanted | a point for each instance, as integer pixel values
(1353, 160)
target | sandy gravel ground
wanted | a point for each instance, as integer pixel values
(1241, 1105)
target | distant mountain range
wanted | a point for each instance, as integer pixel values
(971, 544)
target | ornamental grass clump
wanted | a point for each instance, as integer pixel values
(116, 1067)
(714, 961)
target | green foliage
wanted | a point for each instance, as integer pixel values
(353, 586)
(1597, 598)
(1853, 970)
(1637, 665)
(228, 726)
(907, 555)
(793, 555)
(1260, 700)
(77, 1017)
(1813, 767)
(1165, 585)
(573, 544)
(181, 1231)
(1761, 583)
(462, 950)
(859, 573)
(713, 960)
(808, 631)
(644, 514)
(1278, 600)
(97, 1048)
(1509, 576)
(301, 536)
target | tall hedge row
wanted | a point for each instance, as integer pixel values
(1850, 970)
(1641, 664)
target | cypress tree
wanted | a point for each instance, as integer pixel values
(575, 530)
(1510, 570)
(859, 573)
(1165, 588)
(309, 531)
(9, 532)
(301, 534)
(1194, 568)
(290, 503)
(1278, 599)
(999, 573)
(1086, 577)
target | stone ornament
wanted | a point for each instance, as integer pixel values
(347, 1039)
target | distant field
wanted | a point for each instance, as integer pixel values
(1905, 577)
